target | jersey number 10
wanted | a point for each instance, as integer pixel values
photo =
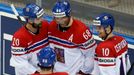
(105, 51)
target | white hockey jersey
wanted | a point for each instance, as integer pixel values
(74, 48)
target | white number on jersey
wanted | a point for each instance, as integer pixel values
(105, 51)
(86, 34)
(71, 38)
(16, 42)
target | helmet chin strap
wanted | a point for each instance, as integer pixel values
(104, 38)
(33, 25)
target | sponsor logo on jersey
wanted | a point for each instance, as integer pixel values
(18, 50)
(89, 43)
(120, 45)
(106, 60)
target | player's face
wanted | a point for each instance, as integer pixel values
(101, 31)
(62, 21)
(37, 22)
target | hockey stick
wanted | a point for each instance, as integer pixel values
(130, 70)
(21, 19)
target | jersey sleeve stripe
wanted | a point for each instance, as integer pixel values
(61, 41)
(31, 48)
(88, 44)
(106, 61)
(88, 47)
(42, 42)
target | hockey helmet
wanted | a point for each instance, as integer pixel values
(46, 57)
(104, 20)
(33, 11)
(61, 9)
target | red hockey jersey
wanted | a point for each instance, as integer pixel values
(24, 41)
(112, 55)
(24, 47)
(73, 47)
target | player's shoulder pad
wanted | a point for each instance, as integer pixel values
(119, 37)
(45, 25)
(80, 25)
(45, 22)
(22, 35)
(103, 44)
(85, 36)
(21, 38)
(83, 31)
(19, 45)
(52, 25)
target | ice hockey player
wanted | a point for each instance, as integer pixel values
(47, 58)
(71, 40)
(111, 54)
(28, 41)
